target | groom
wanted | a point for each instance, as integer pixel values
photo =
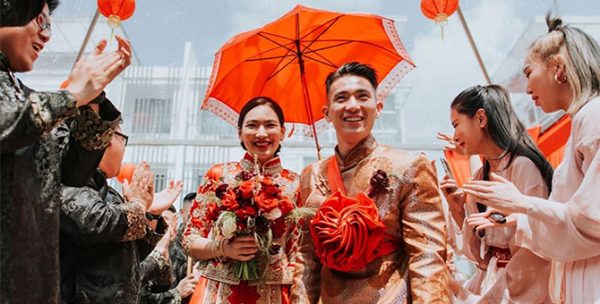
(378, 235)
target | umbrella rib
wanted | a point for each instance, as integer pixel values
(275, 42)
(351, 41)
(330, 24)
(280, 69)
(276, 35)
(324, 62)
(267, 51)
(269, 58)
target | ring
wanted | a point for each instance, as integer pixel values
(497, 218)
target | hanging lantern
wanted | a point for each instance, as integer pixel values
(439, 11)
(116, 11)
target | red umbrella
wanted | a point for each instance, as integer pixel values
(289, 59)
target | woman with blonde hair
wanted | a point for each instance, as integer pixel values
(563, 73)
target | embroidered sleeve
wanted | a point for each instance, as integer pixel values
(88, 219)
(26, 116)
(424, 234)
(137, 223)
(198, 226)
(90, 130)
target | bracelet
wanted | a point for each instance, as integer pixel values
(217, 249)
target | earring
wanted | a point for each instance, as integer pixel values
(558, 81)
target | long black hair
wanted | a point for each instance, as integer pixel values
(259, 101)
(503, 126)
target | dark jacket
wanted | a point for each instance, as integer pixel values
(38, 152)
(103, 241)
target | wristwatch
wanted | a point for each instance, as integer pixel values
(152, 217)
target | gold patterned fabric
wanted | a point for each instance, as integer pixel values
(411, 210)
(223, 284)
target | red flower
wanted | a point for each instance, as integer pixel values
(266, 202)
(286, 206)
(267, 186)
(229, 200)
(245, 212)
(278, 227)
(246, 189)
(346, 232)
(212, 211)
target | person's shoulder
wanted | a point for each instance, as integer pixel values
(313, 168)
(403, 159)
(78, 194)
(216, 171)
(521, 161)
(287, 173)
(589, 113)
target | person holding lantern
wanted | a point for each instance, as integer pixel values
(563, 73)
(242, 224)
(379, 233)
(46, 138)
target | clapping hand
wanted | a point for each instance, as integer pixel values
(93, 73)
(164, 199)
(141, 186)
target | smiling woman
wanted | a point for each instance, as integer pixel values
(229, 187)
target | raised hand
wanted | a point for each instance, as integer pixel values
(94, 72)
(497, 193)
(450, 143)
(141, 186)
(164, 199)
(455, 198)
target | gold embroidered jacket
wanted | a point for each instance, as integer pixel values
(411, 210)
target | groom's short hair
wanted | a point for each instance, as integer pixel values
(352, 68)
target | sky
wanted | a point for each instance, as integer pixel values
(159, 29)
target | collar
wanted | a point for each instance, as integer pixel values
(358, 153)
(271, 167)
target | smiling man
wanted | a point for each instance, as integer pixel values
(46, 138)
(378, 235)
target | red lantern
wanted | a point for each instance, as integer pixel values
(439, 10)
(116, 10)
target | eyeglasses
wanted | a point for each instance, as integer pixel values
(125, 137)
(43, 22)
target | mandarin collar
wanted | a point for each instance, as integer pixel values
(271, 167)
(363, 149)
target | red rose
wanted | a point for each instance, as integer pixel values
(346, 232)
(278, 227)
(247, 189)
(267, 186)
(266, 202)
(245, 212)
(212, 211)
(286, 206)
(229, 200)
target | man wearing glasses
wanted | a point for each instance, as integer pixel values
(46, 138)
(104, 235)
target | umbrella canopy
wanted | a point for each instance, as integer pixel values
(289, 59)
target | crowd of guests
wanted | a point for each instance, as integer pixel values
(371, 224)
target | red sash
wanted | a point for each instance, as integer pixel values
(347, 231)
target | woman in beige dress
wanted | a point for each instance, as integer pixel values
(486, 124)
(563, 73)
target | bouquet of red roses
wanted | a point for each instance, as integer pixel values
(250, 205)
